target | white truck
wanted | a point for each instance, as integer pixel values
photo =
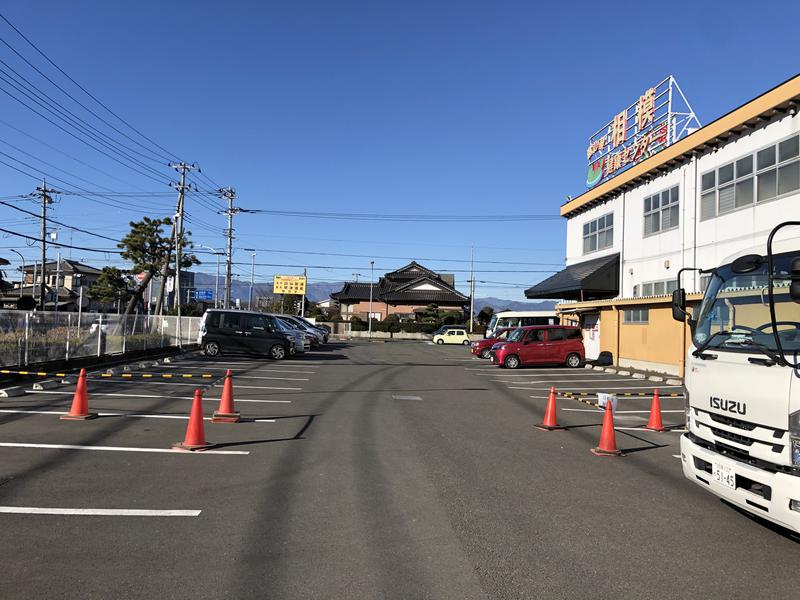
(742, 439)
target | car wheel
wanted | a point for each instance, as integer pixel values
(466, 342)
(573, 361)
(511, 361)
(211, 349)
(440, 341)
(277, 352)
(486, 353)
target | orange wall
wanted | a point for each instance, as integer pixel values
(362, 308)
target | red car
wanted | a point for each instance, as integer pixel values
(540, 344)
(483, 347)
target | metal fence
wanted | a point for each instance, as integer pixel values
(34, 337)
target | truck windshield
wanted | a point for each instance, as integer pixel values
(734, 315)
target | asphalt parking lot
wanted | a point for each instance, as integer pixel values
(366, 470)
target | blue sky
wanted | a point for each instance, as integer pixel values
(464, 108)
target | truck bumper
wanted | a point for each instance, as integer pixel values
(777, 490)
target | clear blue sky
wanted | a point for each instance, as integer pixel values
(398, 107)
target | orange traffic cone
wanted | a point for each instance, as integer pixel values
(195, 434)
(226, 413)
(654, 423)
(608, 440)
(550, 423)
(80, 402)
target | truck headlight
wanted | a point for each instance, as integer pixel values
(794, 436)
(687, 407)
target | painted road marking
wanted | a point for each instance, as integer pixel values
(113, 395)
(240, 374)
(116, 448)
(595, 381)
(642, 428)
(405, 397)
(619, 389)
(99, 512)
(236, 386)
(271, 378)
(116, 414)
(619, 412)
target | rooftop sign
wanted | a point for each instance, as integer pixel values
(660, 117)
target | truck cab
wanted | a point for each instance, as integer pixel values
(743, 383)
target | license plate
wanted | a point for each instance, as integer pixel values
(723, 474)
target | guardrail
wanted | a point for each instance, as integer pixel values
(28, 338)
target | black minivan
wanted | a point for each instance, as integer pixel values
(243, 331)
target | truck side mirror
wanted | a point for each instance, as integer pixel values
(794, 287)
(679, 305)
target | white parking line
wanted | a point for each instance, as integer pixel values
(112, 395)
(238, 377)
(116, 414)
(596, 381)
(619, 411)
(614, 389)
(200, 368)
(101, 512)
(405, 397)
(116, 448)
(236, 386)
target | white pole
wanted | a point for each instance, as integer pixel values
(303, 300)
(471, 286)
(371, 278)
(216, 284)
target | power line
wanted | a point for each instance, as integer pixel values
(171, 155)
(60, 245)
(351, 268)
(456, 260)
(51, 220)
(417, 217)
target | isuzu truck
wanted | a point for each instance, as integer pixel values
(742, 439)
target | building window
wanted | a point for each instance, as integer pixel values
(768, 174)
(657, 288)
(598, 234)
(661, 211)
(636, 315)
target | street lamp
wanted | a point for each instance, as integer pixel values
(216, 280)
(22, 280)
(371, 279)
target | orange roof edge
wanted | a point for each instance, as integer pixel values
(784, 92)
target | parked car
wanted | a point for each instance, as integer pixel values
(537, 345)
(318, 336)
(324, 329)
(302, 339)
(445, 328)
(226, 331)
(483, 348)
(452, 336)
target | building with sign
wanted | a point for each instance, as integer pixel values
(693, 203)
(404, 292)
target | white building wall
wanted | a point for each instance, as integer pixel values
(694, 243)
(575, 231)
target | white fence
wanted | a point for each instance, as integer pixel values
(34, 337)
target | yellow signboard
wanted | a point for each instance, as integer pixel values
(289, 284)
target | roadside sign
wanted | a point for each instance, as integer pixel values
(289, 284)
(204, 295)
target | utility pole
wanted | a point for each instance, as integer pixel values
(182, 168)
(44, 193)
(230, 195)
(303, 300)
(371, 277)
(182, 188)
(252, 282)
(471, 285)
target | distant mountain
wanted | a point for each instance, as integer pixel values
(499, 304)
(323, 289)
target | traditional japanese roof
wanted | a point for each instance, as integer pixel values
(773, 103)
(353, 292)
(590, 279)
(412, 284)
(428, 290)
(411, 271)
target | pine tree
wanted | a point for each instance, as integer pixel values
(112, 285)
(149, 250)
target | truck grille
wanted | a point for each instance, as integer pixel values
(731, 437)
(731, 422)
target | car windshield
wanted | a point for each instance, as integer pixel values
(735, 316)
(499, 335)
(492, 322)
(516, 335)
